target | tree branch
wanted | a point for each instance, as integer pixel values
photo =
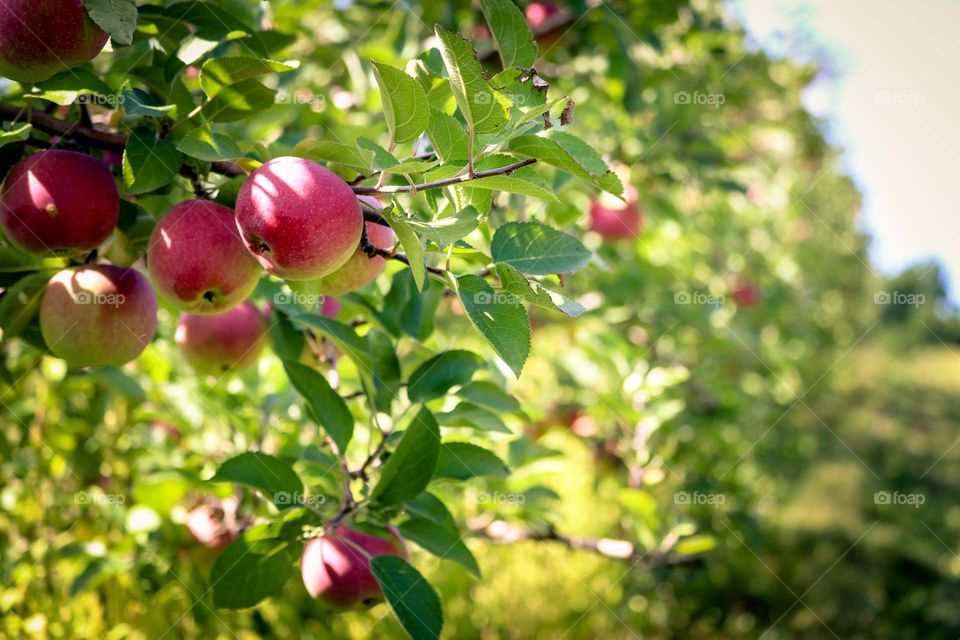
(505, 533)
(445, 182)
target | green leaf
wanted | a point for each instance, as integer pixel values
(439, 374)
(410, 467)
(405, 105)
(137, 102)
(500, 318)
(325, 151)
(382, 159)
(487, 394)
(537, 249)
(511, 33)
(386, 369)
(410, 243)
(447, 137)
(271, 476)
(18, 133)
(65, 87)
(449, 229)
(410, 596)
(443, 541)
(241, 100)
(116, 17)
(570, 154)
(149, 163)
(535, 293)
(202, 143)
(219, 73)
(329, 409)
(524, 181)
(256, 565)
(426, 505)
(21, 303)
(462, 461)
(469, 415)
(484, 109)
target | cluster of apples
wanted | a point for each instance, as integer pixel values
(333, 568)
(294, 218)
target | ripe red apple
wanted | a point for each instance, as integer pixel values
(338, 575)
(98, 315)
(225, 342)
(615, 219)
(197, 259)
(540, 12)
(298, 219)
(214, 523)
(746, 294)
(39, 38)
(59, 202)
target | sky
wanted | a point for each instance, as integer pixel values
(891, 96)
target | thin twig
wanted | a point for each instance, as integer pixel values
(445, 182)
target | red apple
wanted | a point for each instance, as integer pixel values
(331, 307)
(746, 294)
(360, 270)
(59, 202)
(214, 523)
(615, 219)
(197, 259)
(39, 38)
(338, 575)
(226, 342)
(298, 219)
(98, 315)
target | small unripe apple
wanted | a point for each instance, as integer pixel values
(225, 342)
(98, 315)
(338, 575)
(746, 294)
(59, 202)
(39, 38)
(197, 260)
(298, 219)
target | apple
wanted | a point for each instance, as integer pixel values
(197, 260)
(338, 575)
(331, 307)
(616, 219)
(298, 219)
(360, 270)
(39, 38)
(59, 202)
(539, 12)
(213, 523)
(98, 315)
(225, 342)
(745, 294)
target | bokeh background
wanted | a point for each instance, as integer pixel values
(750, 389)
